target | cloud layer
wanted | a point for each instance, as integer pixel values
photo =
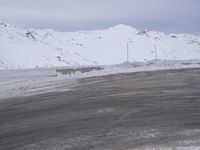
(71, 15)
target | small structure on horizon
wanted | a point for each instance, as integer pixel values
(69, 71)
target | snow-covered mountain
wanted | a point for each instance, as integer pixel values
(31, 48)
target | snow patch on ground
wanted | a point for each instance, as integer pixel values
(29, 82)
(36, 81)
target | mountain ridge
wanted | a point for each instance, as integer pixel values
(21, 48)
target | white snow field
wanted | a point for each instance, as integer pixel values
(20, 48)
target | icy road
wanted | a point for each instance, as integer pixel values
(144, 110)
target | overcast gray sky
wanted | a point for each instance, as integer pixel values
(71, 15)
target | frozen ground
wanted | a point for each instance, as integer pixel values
(36, 81)
(26, 82)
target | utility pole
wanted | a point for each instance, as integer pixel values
(156, 57)
(127, 52)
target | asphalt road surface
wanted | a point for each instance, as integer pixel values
(146, 110)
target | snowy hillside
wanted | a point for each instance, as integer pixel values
(21, 48)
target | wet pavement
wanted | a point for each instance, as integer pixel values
(144, 110)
